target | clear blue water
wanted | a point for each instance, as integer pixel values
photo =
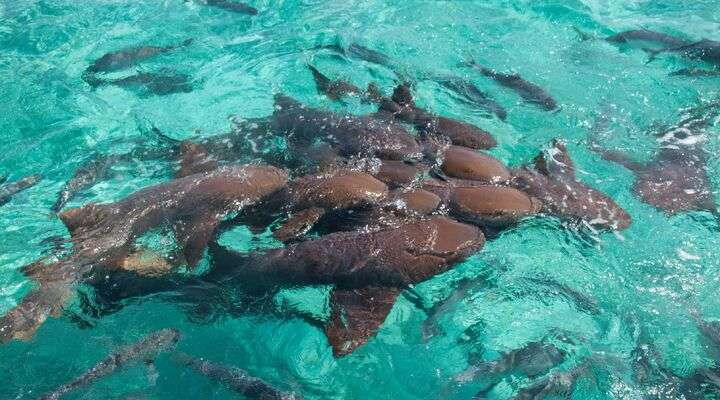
(642, 280)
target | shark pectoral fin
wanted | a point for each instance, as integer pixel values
(194, 159)
(83, 217)
(193, 237)
(357, 315)
(555, 161)
(298, 224)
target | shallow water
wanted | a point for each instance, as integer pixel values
(640, 282)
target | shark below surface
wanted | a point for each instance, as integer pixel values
(235, 379)
(552, 180)
(705, 50)
(144, 350)
(350, 134)
(160, 84)
(402, 107)
(529, 91)
(646, 35)
(121, 59)
(368, 269)
(8, 190)
(676, 179)
(103, 234)
(234, 6)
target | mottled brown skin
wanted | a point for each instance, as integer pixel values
(676, 180)
(464, 163)
(298, 224)
(402, 107)
(553, 181)
(103, 234)
(308, 198)
(418, 201)
(358, 263)
(484, 205)
(334, 89)
(397, 173)
(351, 135)
(342, 189)
(194, 159)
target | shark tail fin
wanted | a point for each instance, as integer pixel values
(582, 35)
(187, 42)
(652, 54)
(92, 79)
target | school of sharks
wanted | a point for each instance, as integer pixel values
(370, 204)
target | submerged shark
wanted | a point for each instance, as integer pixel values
(551, 179)
(103, 234)
(529, 91)
(676, 179)
(144, 350)
(235, 379)
(124, 58)
(8, 190)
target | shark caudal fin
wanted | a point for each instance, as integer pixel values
(582, 35)
(87, 216)
(357, 315)
(652, 54)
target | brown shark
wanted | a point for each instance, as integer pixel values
(552, 180)
(403, 107)
(465, 163)
(368, 269)
(124, 58)
(484, 205)
(676, 180)
(308, 198)
(351, 135)
(103, 234)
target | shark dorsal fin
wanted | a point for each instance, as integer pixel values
(555, 161)
(357, 315)
(403, 96)
(86, 216)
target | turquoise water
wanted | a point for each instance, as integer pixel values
(642, 280)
